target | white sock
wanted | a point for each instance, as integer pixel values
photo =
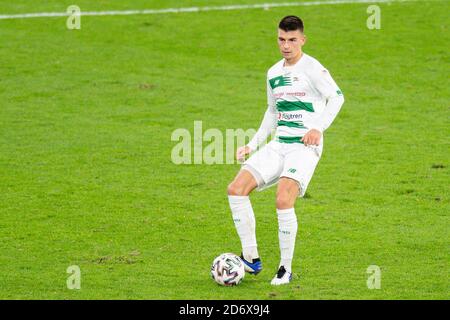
(287, 232)
(244, 221)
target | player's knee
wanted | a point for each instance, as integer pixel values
(284, 200)
(236, 189)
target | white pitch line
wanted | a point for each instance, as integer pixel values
(194, 9)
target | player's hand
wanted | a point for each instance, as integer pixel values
(242, 152)
(312, 137)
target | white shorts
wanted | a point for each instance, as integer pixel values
(276, 160)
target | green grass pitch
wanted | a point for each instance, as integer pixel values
(86, 177)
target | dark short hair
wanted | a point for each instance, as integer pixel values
(291, 23)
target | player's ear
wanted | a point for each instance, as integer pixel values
(304, 39)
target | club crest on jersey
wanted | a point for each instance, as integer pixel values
(280, 81)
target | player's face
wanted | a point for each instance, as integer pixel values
(290, 43)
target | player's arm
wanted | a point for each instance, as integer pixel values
(268, 123)
(324, 83)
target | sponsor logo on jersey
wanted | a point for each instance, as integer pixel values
(289, 116)
(296, 94)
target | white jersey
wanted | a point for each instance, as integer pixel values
(300, 98)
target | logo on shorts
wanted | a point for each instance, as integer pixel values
(292, 170)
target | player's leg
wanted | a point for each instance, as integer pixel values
(243, 184)
(244, 218)
(299, 165)
(287, 194)
(259, 171)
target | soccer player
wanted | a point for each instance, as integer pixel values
(303, 101)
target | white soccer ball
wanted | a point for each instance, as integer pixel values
(228, 269)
